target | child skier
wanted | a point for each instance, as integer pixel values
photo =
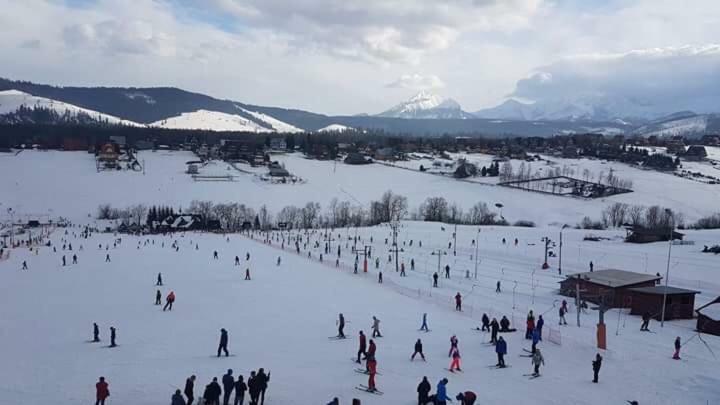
(455, 363)
(537, 360)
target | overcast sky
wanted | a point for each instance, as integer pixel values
(353, 56)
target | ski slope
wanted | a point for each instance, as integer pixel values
(282, 318)
(210, 120)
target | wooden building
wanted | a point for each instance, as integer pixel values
(680, 303)
(708, 320)
(613, 285)
(639, 234)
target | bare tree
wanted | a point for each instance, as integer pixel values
(138, 213)
(434, 209)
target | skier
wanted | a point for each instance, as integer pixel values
(75, 259)
(112, 336)
(371, 351)
(372, 370)
(247, 273)
(237, 261)
(501, 351)
(424, 325)
(423, 391)
(494, 330)
(376, 327)
(466, 398)
(377, 263)
(537, 360)
(418, 350)
(402, 269)
(530, 323)
(592, 266)
(247, 256)
(412, 264)
(278, 261)
(441, 397)
(63, 260)
(646, 321)
(539, 326)
(447, 271)
(453, 344)
(596, 364)
(169, 301)
(505, 325)
(190, 389)
(435, 280)
(497, 287)
(458, 302)
(561, 312)
(379, 277)
(228, 382)
(24, 265)
(676, 355)
(158, 298)
(485, 323)
(341, 326)
(102, 391)
(223, 343)
(96, 332)
(361, 348)
(159, 279)
(215, 255)
(177, 398)
(516, 241)
(535, 340)
(503, 241)
(107, 258)
(240, 388)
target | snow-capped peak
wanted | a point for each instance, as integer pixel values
(426, 105)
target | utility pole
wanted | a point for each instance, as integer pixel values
(439, 254)
(561, 243)
(364, 253)
(547, 245)
(667, 270)
(455, 241)
(395, 225)
(477, 242)
(577, 299)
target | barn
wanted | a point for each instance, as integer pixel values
(708, 320)
(680, 303)
(615, 285)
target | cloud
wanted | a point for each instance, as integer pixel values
(667, 79)
(417, 82)
(118, 36)
(31, 44)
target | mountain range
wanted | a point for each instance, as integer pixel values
(423, 114)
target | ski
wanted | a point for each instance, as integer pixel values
(454, 371)
(525, 355)
(526, 350)
(365, 388)
(532, 377)
(363, 371)
(336, 338)
(494, 366)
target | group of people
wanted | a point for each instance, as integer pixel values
(255, 386)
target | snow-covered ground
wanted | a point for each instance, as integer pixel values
(282, 318)
(210, 120)
(33, 185)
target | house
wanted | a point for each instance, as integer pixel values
(275, 170)
(357, 159)
(709, 318)
(679, 304)
(385, 154)
(108, 157)
(710, 140)
(612, 285)
(278, 144)
(465, 170)
(180, 222)
(695, 153)
(639, 234)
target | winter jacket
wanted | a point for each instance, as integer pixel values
(228, 382)
(531, 323)
(363, 345)
(458, 298)
(597, 363)
(504, 323)
(442, 392)
(240, 387)
(212, 392)
(101, 390)
(537, 358)
(470, 398)
(423, 390)
(455, 353)
(540, 323)
(223, 337)
(189, 386)
(535, 336)
(418, 347)
(171, 296)
(371, 349)
(501, 347)
(494, 326)
(677, 344)
(262, 380)
(485, 319)
(177, 399)
(253, 386)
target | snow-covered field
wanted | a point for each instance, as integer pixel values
(282, 318)
(34, 185)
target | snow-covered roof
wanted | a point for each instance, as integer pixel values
(614, 278)
(712, 311)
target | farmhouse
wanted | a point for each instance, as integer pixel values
(639, 234)
(695, 153)
(680, 303)
(709, 318)
(615, 285)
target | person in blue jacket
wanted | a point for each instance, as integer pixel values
(539, 326)
(501, 350)
(535, 339)
(441, 397)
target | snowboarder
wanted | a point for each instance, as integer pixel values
(453, 344)
(96, 332)
(376, 327)
(497, 287)
(494, 330)
(539, 326)
(169, 301)
(423, 391)
(341, 326)
(466, 398)
(485, 323)
(223, 343)
(458, 302)
(501, 351)
(262, 380)
(424, 325)
(247, 274)
(561, 312)
(646, 321)
(159, 280)
(228, 383)
(435, 279)
(676, 355)
(361, 348)
(240, 388)
(102, 391)
(190, 389)
(113, 335)
(537, 360)
(441, 397)
(418, 350)
(447, 271)
(215, 255)
(158, 297)
(596, 364)
(177, 398)
(530, 323)
(372, 370)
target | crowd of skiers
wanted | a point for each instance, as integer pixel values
(255, 387)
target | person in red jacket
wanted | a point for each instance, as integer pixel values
(370, 353)
(169, 301)
(466, 398)
(372, 370)
(101, 391)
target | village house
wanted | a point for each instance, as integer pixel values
(615, 286)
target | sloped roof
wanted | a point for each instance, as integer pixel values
(712, 311)
(614, 278)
